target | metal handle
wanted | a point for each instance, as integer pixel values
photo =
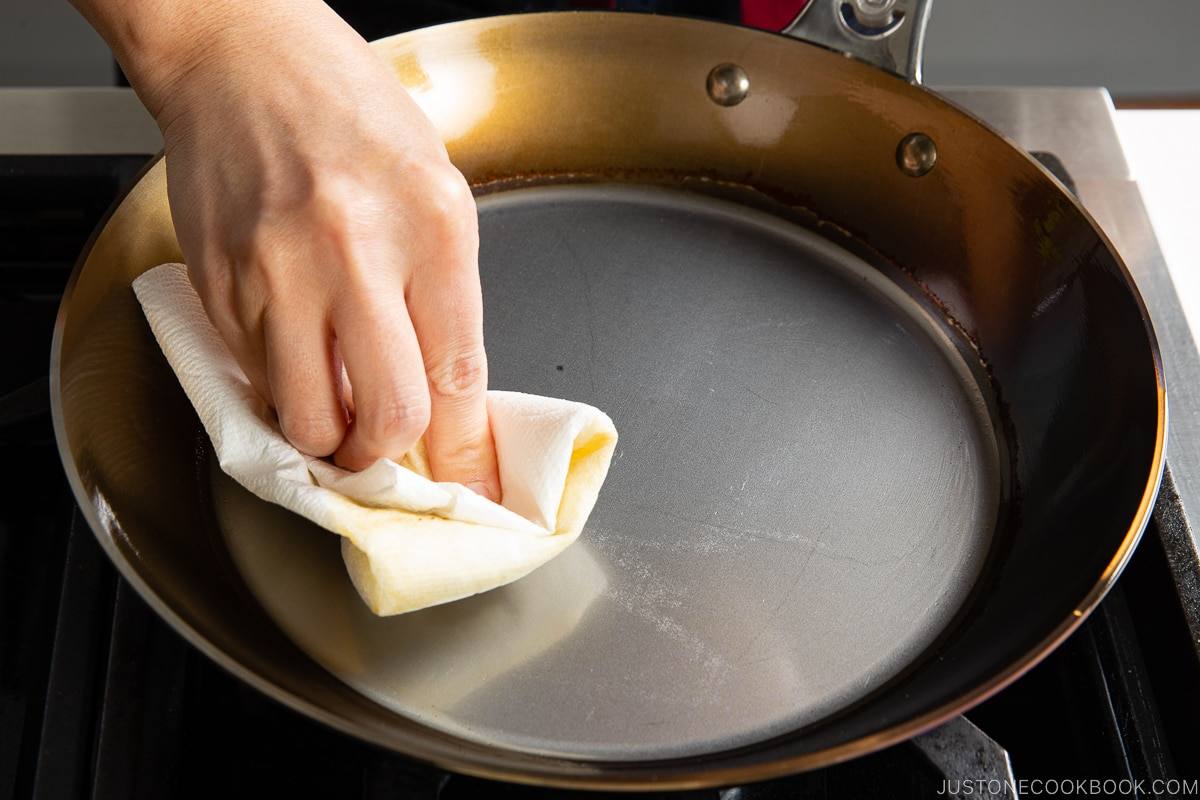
(969, 760)
(887, 33)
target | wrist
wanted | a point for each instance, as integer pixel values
(160, 43)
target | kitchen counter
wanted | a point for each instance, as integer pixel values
(75, 121)
(1163, 151)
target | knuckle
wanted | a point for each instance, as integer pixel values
(331, 206)
(461, 376)
(449, 201)
(331, 197)
(402, 417)
(337, 215)
(463, 462)
(313, 434)
(451, 187)
(344, 217)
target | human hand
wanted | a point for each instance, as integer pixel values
(323, 224)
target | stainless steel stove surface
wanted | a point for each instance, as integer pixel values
(100, 698)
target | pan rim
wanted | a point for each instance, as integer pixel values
(691, 773)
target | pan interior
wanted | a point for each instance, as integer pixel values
(803, 495)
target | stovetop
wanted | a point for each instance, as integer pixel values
(100, 698)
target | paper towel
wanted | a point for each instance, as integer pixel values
(408, 542)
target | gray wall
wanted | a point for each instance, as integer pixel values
(1132, 46)
(47, 43)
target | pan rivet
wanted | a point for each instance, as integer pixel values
(916, 154)
(728, 84)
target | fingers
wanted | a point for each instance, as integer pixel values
(447, 312)
(448, 316)
(292, 328)
(383, 361)
(219, 295)
(305, 377)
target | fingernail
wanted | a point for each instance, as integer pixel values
(482, 489)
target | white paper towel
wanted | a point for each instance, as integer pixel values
(408, 542)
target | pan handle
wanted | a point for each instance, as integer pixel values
(887, 33)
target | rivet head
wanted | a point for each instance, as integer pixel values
(916, 154)
(874, 13)
(728, 84)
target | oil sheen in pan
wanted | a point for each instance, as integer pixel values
(803, 495)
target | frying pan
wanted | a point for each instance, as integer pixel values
(892, 415)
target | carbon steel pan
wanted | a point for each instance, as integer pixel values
(804, 492)
(886, 440)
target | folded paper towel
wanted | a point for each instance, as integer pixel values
(408, 542)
